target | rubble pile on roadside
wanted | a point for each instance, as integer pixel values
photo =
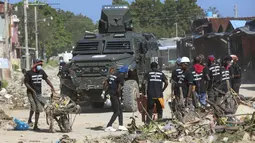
(14, 96)
(214, 125)
(5, 120)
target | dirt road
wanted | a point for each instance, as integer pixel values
(88, 124)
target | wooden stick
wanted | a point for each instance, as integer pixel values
(154, 122)
(234, 115)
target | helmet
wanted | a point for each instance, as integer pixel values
(178, 61)
(234, 57)
(108, 102)
(185, 60)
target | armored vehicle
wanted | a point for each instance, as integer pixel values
(115, 45)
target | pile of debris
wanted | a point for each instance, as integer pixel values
(230, 120)
(5, 120)
(14, 96)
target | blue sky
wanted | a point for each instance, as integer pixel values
(91, 8)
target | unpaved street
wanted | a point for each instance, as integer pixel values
(90, 123)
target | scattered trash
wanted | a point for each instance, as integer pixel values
(20, 125)
(66, 139)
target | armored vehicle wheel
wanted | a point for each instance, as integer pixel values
(130, 95)
(97, 104)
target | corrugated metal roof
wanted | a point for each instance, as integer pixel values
(217, 22)
(238, 23)
(246, 30)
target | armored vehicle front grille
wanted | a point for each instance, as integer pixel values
(87, 46)
(115, 45)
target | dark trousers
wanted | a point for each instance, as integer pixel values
(117, 111)
(236, 87)
(150, 107)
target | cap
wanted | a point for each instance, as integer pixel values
(36, 61)
(211, 58)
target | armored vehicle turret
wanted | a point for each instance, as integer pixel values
(115, 45)
(115, 19)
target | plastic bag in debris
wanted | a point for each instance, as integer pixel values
(20, 125)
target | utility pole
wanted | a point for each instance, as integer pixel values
(236, 11)
(36, 34)
(176, 29)
(35, 4)
(6, 50)
(26, 34)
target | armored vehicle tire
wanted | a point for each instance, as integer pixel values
(97, 104)
(130, 93)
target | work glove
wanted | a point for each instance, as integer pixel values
(103, 94)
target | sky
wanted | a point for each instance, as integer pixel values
(92, 8)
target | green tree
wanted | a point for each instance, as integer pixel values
(120, 2)
(214, 10)
(57, 35)
(160, 18)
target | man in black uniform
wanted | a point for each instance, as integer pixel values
(155, 80)
(176, 73)
(186, 79)
(235, 74)
(112, 86)
(33, 82)
(225, 73)
(199, 80)
(122, 74)
(61, 65)
(215, 76)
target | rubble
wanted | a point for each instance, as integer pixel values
(15, 94)
(213, 125)
(5, 121)
(66, 139)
